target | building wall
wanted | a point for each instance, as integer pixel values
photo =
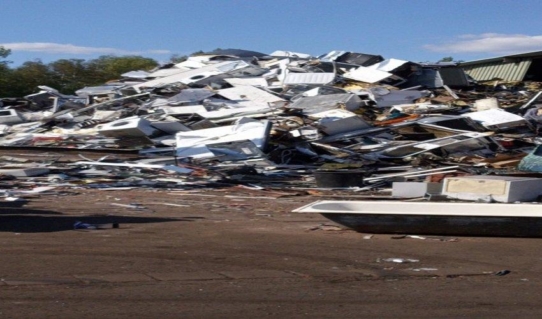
(507, 71)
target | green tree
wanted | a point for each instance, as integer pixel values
(447, 59)
(4, 72)
(177, 58)
(70, 75)
(108, 67)
(200, 52)
(24, 79)
(4, 53)
(65, 75)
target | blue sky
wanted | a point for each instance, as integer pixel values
(416, 30)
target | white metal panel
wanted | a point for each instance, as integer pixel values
(332, 126)
(136, 74)
(257, 81)
(236, 112)
(308, 78)
(388, 65)
(190, 95)
(249, 96)
(194, 143)
(180, 110)
(444, 142)
(367, 75)
(497, 118)
(194, 75)
(331, 56)
(291, 54)
(10, 117)
(486, 104)
(320, 103)
(507, 189)
(191, 64)
(414, 189)
(333, 113)
(283, 66)
(229, 112)
(166, 72)
(127, 127)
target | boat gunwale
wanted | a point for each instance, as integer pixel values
(309, 209)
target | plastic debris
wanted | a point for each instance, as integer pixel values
(399, 260)
(82, 225)
(502, 272)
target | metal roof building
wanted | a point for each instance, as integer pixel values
(517, 67)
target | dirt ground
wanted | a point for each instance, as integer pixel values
(232, 253)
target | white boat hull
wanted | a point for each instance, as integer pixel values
(457, 219)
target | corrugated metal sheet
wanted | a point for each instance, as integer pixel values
(505, 71)
(525, 55)
(453, 76)
(308, 78)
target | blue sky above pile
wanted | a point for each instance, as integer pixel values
(416, 30)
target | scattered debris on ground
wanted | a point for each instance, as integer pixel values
(369, 127)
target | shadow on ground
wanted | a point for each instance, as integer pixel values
(42, 221)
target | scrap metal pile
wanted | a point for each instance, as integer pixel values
(345, 119)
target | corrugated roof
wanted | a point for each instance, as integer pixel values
(532, 54)
(505, 71)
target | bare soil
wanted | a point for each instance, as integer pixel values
(210, 255)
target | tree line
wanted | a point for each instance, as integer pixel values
(70, 75)
(65, 75)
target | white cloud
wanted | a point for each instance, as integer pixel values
(158, 51)
(59, 48)
(493, 43)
